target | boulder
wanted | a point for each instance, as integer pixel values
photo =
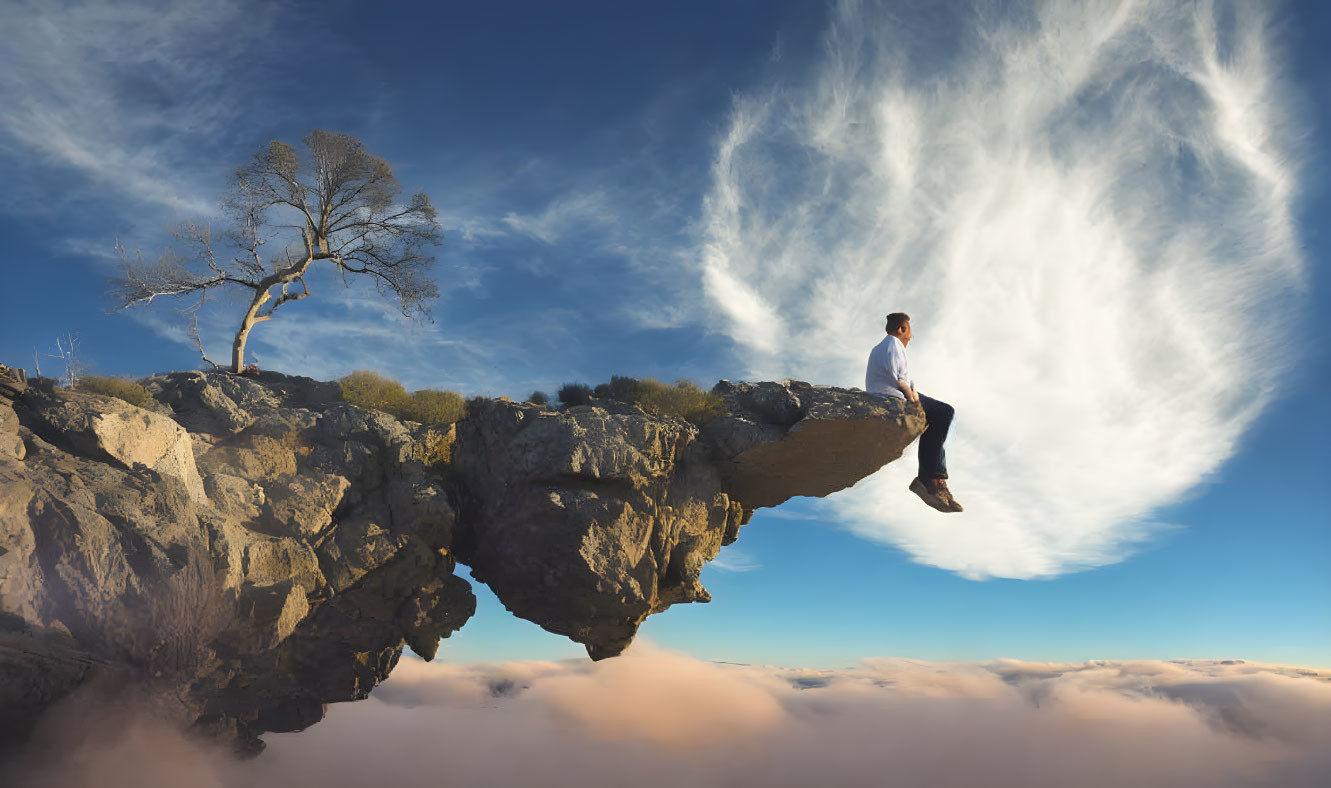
(265, 616)
(11, 444)
(577, 518)
(115, 431)
(13, 382)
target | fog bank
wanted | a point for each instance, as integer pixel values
(656, 718)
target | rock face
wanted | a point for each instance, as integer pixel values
(12, 385)
(588, 520)
(271, 559)
(254, 548)
(780, 440)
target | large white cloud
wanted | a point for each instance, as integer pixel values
(654, 718)
(1086, 208)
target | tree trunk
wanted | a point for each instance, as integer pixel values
(246, 323)
(261, 296)
(238, 348)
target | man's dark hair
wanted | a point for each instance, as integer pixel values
(896, 320)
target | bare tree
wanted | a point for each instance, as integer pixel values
(334, 202)
(67, 350)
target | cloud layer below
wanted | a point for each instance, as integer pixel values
(1087, 211)
(656, 718)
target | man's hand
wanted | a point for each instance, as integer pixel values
(908, 391)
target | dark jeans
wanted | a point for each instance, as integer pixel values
(933, 461)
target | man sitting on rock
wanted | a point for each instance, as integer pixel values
(888, 375)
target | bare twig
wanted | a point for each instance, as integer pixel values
(67, 351)
(193, 312)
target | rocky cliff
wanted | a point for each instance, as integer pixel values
(247, 550)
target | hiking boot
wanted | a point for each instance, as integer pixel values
(935, 493)
(941, 490)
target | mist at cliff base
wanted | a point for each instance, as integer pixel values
(658, 718)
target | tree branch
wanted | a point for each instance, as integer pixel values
(288, 297)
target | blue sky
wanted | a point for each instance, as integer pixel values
(1105, 219)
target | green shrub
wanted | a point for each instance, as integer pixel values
(538, 398)
(684, 399)
(373, 391)
(126, 390)
(575, 394)
(620, 387)
(435, 407)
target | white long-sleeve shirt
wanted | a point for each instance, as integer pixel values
(887, 365)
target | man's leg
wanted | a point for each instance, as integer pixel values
(933, 460)
(931, 484)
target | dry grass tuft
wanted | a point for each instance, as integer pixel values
(375, 392)
(435, 448)
(684, 399)
(121, 389)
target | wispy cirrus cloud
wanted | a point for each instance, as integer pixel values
(667, 719)
(1078, 203)
(734, 559)
(120, 94)
(562, 215)
(624, 239)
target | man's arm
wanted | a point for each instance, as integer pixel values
(896, 364)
